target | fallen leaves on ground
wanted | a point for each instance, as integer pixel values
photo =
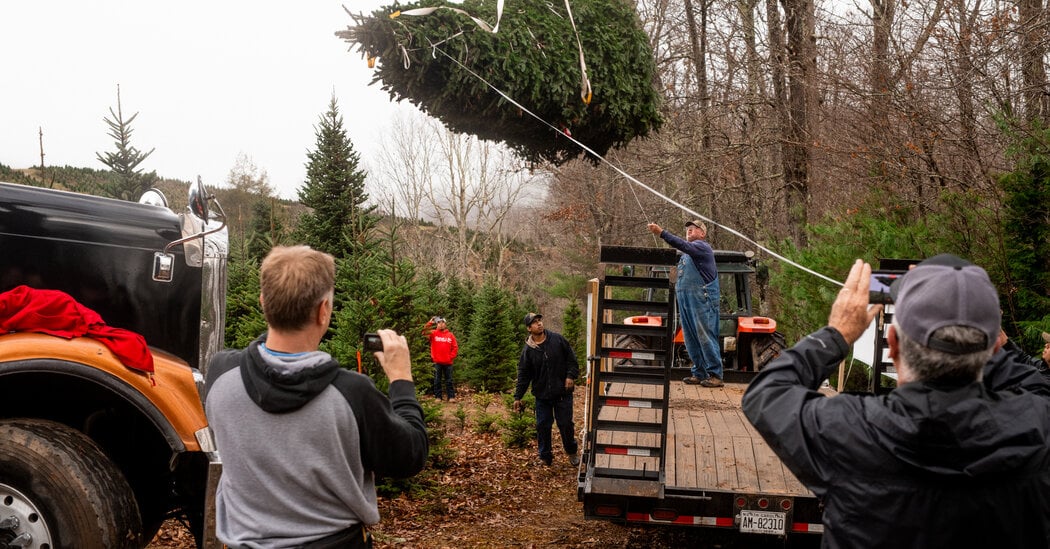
(490, 496)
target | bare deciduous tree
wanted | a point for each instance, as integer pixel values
(464, 186)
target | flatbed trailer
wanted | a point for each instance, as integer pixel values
(659, 451)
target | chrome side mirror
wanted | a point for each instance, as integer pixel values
(198, 203)
(164, 262)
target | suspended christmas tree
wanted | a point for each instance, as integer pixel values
(440, 60)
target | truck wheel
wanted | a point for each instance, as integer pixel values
(766, 347)
(62, 490)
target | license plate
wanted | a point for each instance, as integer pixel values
(762, 522)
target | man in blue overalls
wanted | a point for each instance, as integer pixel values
(698, 295)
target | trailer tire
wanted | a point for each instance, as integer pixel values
(65, 487)
(631, 342)
(765, 348)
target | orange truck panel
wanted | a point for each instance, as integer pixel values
(171, 389)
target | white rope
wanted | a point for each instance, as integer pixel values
(632, 179)
(585, 83)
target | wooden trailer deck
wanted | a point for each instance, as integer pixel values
(710, 444)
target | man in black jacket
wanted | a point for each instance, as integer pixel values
(549, 364)
(956, 456)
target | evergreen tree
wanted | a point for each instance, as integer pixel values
(375, 289)
(1026, 224)
(244, 316)
(572, 321)
(432, 301)
(334, 189)
(490, 358)
(459, 298)
(265, 229)
(130, 182)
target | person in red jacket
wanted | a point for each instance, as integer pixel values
(443, 350)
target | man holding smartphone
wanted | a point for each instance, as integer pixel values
(958, 455)
(302, 439)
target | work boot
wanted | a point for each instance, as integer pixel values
(712, 381)
(574, 459)
(692, 380)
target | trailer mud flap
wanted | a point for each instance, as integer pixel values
(214, 472)
(624, 487)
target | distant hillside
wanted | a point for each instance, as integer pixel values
(236, 203)
(65, 177)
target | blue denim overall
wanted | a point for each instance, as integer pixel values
(698, 312)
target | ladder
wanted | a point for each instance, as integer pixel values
(881, 364)
(628, 385)
(882, 368)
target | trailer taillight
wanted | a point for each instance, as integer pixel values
(608, 511)
(664, 514)
(785, 504)
(763, 503)
(740, 502)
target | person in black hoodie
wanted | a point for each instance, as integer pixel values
(958, 455)
(548, 363)
(302, 439)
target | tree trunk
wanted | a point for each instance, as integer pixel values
(799, 21)
(778, 76)
(1033, 29)
(882, 16)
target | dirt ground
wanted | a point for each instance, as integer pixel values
(493, 496)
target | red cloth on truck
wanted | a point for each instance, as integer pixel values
(25, 309)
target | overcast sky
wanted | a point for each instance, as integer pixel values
(209, 79)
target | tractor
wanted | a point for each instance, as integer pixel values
(747, 342)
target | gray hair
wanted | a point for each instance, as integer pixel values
(931, 365)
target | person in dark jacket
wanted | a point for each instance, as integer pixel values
(548, 363)
(302, 439)
(956, 456)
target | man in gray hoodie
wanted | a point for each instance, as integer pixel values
(302, 439)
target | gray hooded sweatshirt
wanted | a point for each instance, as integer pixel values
(301, 441)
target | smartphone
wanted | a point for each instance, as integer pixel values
(879, 289)
(373, 342)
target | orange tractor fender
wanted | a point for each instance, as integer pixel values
(745, 324)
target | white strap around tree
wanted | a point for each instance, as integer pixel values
(585, 82)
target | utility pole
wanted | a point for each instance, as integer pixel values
(41, 129)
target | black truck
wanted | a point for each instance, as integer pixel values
(93, 453)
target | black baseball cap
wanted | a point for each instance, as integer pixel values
(946, 290)
(530, 318)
